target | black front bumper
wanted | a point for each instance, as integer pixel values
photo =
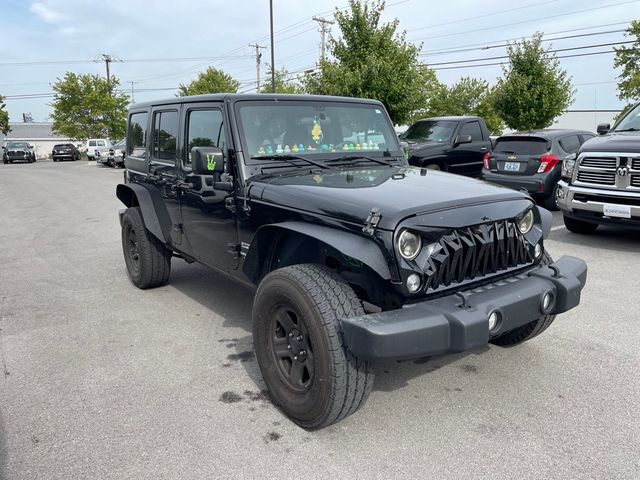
(460, 322)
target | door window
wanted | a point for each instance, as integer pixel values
(205, 128)
(92, 143)
(165, 132)
(102, 143)
(473, 129)
(570, 144)
(137, 135)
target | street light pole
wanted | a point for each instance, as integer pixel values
(273, 65)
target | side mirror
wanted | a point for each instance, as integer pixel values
(460, 139)
(603, 128)
(207, 160)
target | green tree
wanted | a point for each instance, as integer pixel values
(372, 60)
(469, 96)
(88, 106)
(534, 89)
(283, 82)
(211, 80)
(628, 58)
(4, 117)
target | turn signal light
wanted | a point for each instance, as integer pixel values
(547, 162)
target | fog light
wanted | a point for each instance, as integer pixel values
(495, 319)
(547, 302)
(560, 193)
(413, 283)
(538, 251)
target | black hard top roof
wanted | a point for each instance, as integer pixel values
(236, 97)
(450, 117)
(547, 133)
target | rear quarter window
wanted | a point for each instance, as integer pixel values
(521, 146)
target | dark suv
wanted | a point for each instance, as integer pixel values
(355, 255)
(532, 161)
(18, 152)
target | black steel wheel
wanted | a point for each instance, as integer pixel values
(311, 375)
(530, 330)
(148, 261)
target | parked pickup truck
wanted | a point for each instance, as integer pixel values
(601, 184)
(452, 144)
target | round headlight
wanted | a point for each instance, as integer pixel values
(409, 244)
(526, 222)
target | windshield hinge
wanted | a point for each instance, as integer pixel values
(372, 221)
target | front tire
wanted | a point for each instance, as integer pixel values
(311, 375)
(530, 330)
(148, 261)
(577, 226)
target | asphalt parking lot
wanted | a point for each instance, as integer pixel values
(101, 380)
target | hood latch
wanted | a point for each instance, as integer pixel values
(372, 221)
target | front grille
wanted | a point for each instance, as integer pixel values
(635, 180)
(635, 163)
(600, 178)
(599, 162)
(475, 252)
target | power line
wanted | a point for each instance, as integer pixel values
(504, 63)
(493, 27)
(548, 51)
(488, 46)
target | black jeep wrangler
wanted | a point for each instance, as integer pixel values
(356, 256)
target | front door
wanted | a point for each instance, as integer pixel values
(208, 222)
(467, 157)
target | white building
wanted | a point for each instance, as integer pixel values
(38, 134)
(585, 119)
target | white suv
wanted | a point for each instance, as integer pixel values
(94, 143)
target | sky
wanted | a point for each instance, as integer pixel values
(159, 44)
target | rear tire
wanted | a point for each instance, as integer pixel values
(577, 226)
(311, 375)
(147, 259)
(433, 166)
(530, 330)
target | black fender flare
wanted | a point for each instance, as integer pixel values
(546, 219)
(154, 212)
(350, 244)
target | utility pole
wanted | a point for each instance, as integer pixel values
(324, 29)
(273, 62)
(132, 97)
(107, 59)
(258, 58)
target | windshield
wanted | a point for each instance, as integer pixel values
(521, 145)
(630, 121)
(431, 131)
(315, 129)
(13, 145)
(63, 145)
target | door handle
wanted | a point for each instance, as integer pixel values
(483, 149)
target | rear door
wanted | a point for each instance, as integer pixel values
(519, 155)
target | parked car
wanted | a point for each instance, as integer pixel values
(452, 144)
(18, 152)
(601, 184)
(94, 143)
(356, 257)
(112, 156)
(65, 151)
(532, 161)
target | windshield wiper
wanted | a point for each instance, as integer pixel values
(632, 129)
(360, 157)
(288, 158)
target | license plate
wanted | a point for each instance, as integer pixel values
(511, 166)
(620, 211)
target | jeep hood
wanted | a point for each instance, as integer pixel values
(623, 142)
(398, 192)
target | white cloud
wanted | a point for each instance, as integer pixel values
(45, 13)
